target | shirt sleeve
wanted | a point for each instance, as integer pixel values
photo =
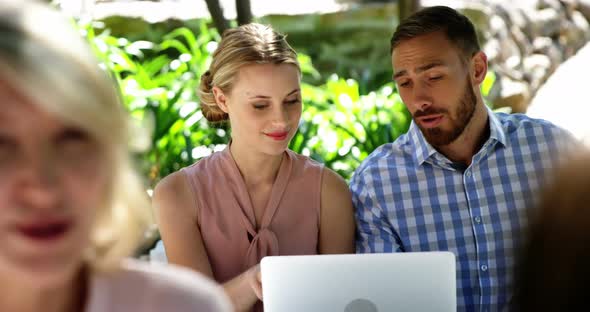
(374, 231)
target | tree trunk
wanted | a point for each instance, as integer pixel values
(216, 12)
(244, 11)
(407, 8)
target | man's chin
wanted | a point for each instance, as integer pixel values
(438, 137)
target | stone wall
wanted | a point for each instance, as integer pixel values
(526, 41)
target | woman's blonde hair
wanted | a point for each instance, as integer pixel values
(248, 44)
(48, 61)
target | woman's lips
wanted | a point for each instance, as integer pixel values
(44, 231)
(278, 136)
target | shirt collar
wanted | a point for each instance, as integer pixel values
(496, 130)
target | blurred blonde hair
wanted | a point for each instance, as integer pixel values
(247, 44)
(47, 60)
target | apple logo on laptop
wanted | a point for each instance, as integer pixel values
(361, 305)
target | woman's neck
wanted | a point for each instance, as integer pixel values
(256, 168)
(28, 297)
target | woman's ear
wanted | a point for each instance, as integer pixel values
(220, 99)
(479, 67)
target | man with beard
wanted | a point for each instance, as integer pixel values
(463, 176)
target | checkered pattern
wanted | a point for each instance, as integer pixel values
(408, 197)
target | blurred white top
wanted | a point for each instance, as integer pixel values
(155, 287)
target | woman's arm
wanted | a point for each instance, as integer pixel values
(245, 289)
(336, 215)
(176, 213)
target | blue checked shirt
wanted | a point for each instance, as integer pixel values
(409, 197)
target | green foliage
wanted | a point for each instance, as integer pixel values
(159, 83)
(488, 83)
(340, 126)
(352, 44)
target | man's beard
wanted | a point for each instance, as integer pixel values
(459, 120)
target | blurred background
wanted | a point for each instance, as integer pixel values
(538, 55)
(158, 49)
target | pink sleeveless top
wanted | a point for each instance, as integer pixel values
(233, 240)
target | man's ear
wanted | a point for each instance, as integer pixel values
(479, 67)
(220, 99)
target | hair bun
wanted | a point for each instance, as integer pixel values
(207, 80)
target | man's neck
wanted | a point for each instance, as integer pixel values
(471, 140)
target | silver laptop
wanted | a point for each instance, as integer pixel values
(420, 281)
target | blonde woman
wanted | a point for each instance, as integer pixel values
(71, 207)
(256, 198)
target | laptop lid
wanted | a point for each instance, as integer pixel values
(420, 281)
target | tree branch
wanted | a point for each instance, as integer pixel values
(244, 11)
(407, 8)
(216, 12)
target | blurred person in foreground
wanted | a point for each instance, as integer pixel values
(554, 268)
(71, 206)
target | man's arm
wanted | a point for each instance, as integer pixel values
(374, 231)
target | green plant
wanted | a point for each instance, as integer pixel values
(158, 80)
(340, 127)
